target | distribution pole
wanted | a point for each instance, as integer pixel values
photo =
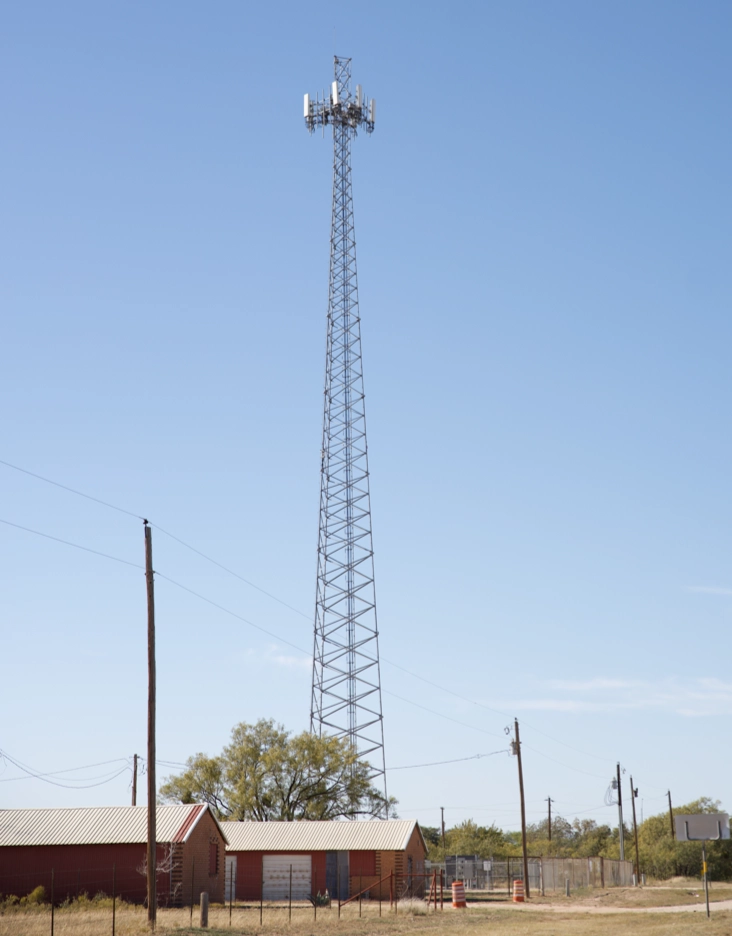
(633, 795)
(621, 828)
(152, 897)
(523, 810)
(442, 813)
(134, 779)
(549, 826)
(671, 815)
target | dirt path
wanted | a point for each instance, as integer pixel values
(586, 908)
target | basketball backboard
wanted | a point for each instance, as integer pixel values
(706, 827)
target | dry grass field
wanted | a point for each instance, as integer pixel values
(621, 912)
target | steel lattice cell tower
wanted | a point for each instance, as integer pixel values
(346, 694)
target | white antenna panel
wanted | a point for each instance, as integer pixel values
(307, 105)
(372, 110)
(359, 95)
(334, 92)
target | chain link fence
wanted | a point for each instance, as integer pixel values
(546, 875)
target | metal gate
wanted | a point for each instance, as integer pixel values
(276, 877)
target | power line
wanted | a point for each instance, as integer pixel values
(239, 617)
(66, 786)
(284, 604)
(566, 766)
(57, 773)
(58, 539)
(458, 760)
(231, 572)
(71, 490)
(263, 591)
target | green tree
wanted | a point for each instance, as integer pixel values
(267, 773)
(662, 856)
(469, 838)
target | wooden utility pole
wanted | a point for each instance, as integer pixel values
(549, 800)
(621, 827)
(633, 794)
(152, 896)
(671, 816)
(134, 779)
(523, 810)
(442, 814)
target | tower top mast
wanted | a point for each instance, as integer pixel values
(338, 106)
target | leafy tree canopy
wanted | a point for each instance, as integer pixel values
(661, 856)
(267, 773)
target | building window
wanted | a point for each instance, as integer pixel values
(213, 859)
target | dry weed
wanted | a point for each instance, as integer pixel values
(477, 920)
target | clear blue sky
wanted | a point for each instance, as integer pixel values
(543, 226)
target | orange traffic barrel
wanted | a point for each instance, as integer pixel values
(518, 891)
(458, 894)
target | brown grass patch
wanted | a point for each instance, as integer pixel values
(477, 920)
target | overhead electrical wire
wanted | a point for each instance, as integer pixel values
(57, 773)
(71, 490)
(57, 539)
(458, 760)
(81, 785)
(231, 572)
(244, 620)
(241, 578)
(269, 633)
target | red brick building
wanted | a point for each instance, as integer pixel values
(343, 858)
(103, 850)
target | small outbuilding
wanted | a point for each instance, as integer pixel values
(94, 850)
(270, 860)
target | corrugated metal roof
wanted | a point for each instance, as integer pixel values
(97, 825)
(364, 835)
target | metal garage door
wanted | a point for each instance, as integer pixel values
(276, 877)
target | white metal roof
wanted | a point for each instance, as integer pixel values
(364, 835)
(97, 825)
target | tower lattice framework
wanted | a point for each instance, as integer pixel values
(346, 690)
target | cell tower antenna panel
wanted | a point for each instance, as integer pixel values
(346, 690)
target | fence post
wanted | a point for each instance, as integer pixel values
(204, 909)
(231, 889)
(360, 888)
(53, 872)
(602, 873)
(261, 891)
(193, 869)
(338, 885)
(289, 908)
(391, 888)
(442, 906)
(541, 875)
(114, 896)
